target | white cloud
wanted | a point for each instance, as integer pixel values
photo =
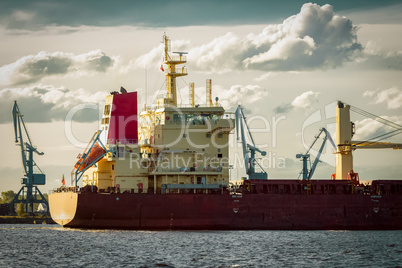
(33, 68)
(314, 38)
(286, 48)
(368, 129)
(220, 55)
(392, 97)
(306, 100)
(265, 76)
(239, 94)
(45, 103)
(154, 58)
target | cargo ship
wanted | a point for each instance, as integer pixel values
(167, 168)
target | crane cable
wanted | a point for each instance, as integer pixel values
(398, 128)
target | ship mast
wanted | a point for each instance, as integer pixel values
(171, 73)
(344, 131)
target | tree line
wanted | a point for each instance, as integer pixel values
(8, 196)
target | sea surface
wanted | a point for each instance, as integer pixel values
(29, 245)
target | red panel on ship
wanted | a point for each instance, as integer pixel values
(123, 125)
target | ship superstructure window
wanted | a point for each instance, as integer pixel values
(105, 120)
(121, 151)
(178, 118)
(220, 136)
(208, 135)
(214, 118)
(107, 110)
(194, 119)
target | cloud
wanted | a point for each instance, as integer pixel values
(40, 13)
(368, 129)
(46, 103)
(239, 94)
(376, 57)
(33, 68)
(304, 101)
(154, 58)
(392, 97)
(283, 109)
(315, 38)
(222, 54)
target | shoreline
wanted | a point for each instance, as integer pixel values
(26, 220)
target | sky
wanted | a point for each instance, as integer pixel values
(286, 63)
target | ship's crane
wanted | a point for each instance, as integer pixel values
(345, 129)
(29, 192)
(248, 149)
(308, 173)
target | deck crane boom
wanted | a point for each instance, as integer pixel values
(308, 174)
(29, 192)
(249, 161)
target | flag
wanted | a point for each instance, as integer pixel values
(63, 181)
(162, 68)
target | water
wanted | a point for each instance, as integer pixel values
(54, 246)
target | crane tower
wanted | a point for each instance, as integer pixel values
(29, 193)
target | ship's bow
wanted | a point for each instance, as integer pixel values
(63, 207)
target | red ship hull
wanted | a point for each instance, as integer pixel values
(227, 212)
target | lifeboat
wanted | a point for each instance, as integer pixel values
(90, 158)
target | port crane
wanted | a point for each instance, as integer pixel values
(249, 150)
(29, 193)
(305, 158)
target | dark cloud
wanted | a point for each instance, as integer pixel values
(315, 38)
(100, 64)
(283, 109)
(33, 68)
(43, 103)
(27, 14)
